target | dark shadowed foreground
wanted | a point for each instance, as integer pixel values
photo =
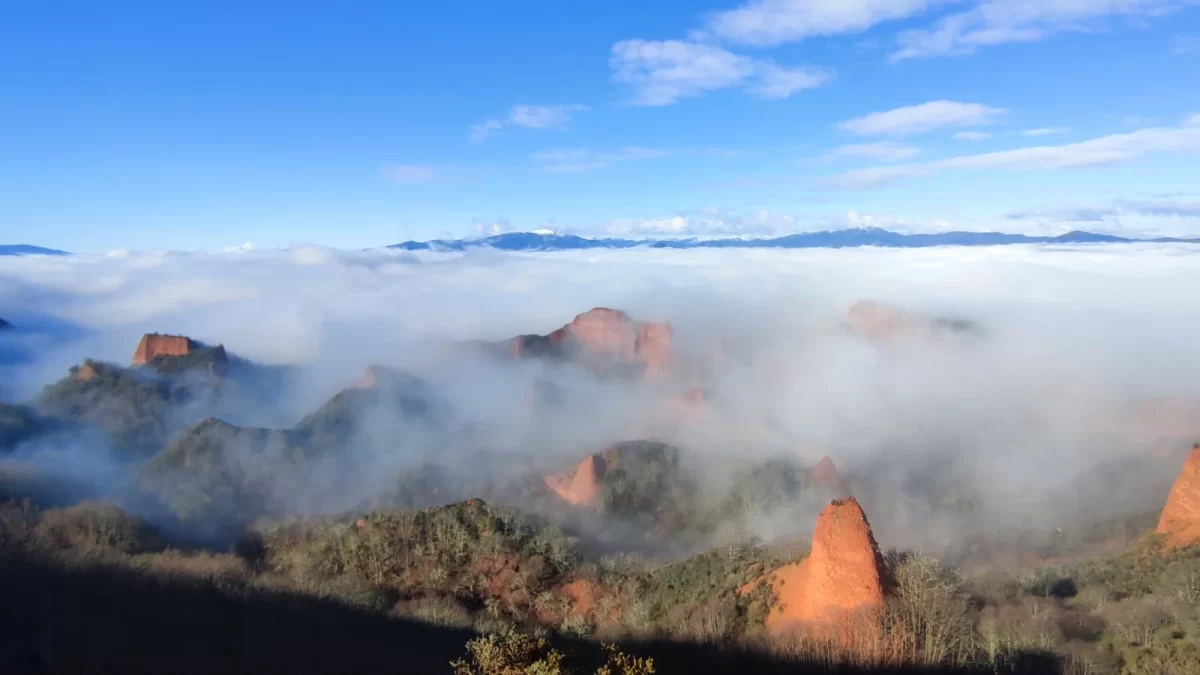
(105, 619)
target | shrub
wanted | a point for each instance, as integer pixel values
(617, 662)
(91, 528)
(437, 610)
(931, 610)
(509, 653)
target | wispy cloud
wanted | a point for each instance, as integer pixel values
(995, 22)
(579, 160)
(1147, 208)
(663, 71)
(765, 23)
(709, 222)
(409, 173)
(1044, 131)
(972, 136)
(1185, 44)
(922, 118)
(1103, 151)
(883, 151)
(528, 117)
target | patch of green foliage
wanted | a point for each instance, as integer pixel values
(398, 396)
(647, 482)
(220, 473)
(471, 550)
(132, 408)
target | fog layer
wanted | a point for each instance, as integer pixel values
(1085, 355)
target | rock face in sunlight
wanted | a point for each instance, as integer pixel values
(1180, 521)
(838, 589)
(154, 345)
(582, 486)
(601, 339)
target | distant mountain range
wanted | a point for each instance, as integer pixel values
(26, 249)
(536, 241)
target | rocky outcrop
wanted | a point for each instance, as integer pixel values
(886, 322)
(1180, 521)
(154, 345)
(826, 475)
(373, 376)
(85, 373)
(627, 478)
(838, 590)
(602, 339)
(582, 486)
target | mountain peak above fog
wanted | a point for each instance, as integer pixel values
(26, 249)
(545, 240)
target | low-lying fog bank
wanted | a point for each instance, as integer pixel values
(991, 389)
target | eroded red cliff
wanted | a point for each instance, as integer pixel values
(1180, 521)
(154, 345)
(582, 486)
(838, 590)
(601, 338)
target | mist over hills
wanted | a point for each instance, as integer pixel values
(625, 444)
(847, 238)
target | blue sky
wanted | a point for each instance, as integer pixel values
(138, 125)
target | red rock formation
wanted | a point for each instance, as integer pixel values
(878, 321)
(1180, 521)
(85, 372)
(582, 486)
(885, 322)
(600, 337)
(372, 376)
(154, 345)
(826, 475)
(653, 347)
(839, 585)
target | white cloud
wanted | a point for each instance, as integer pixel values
(1103, 151)
(488, 228)
(995, 22)
(1044, 393)
(663, 71)
(774, 82)
(409, 173)
(922, 118)
(972, 136)
(485, 128)
(543, 116)
(528, 117)
(579, 160)
(710, 222)
(1044, 131)
(764, 23)
(883, 151)
(1164, 208)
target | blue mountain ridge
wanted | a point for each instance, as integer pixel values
(26, 249)
(849, 238)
